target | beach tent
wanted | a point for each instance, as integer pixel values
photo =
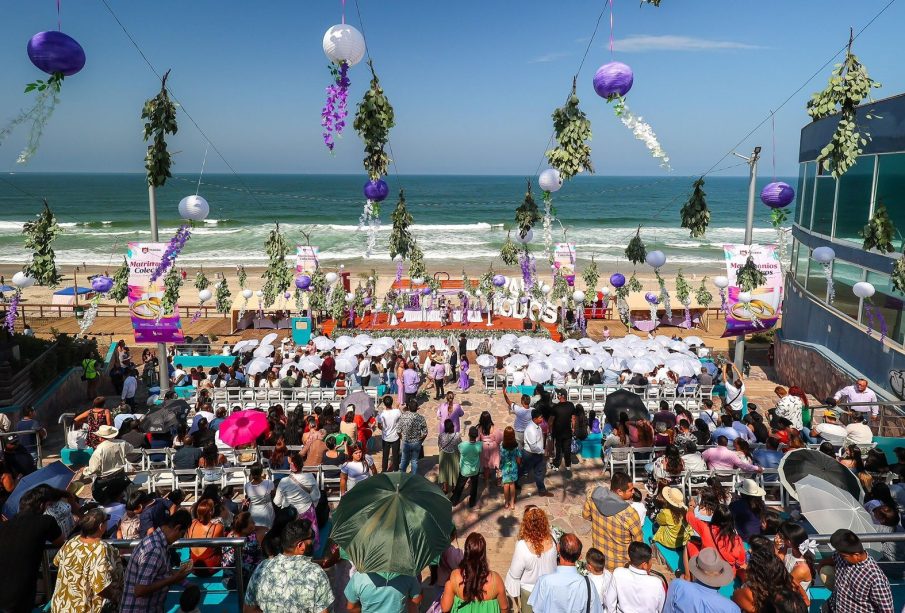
(67, 294)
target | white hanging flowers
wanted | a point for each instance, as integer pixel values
(642, 131)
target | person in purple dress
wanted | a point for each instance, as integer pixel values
(464, 382)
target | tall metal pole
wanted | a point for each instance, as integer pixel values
(749, 238)
(164, 373)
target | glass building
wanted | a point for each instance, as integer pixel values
(833, 212)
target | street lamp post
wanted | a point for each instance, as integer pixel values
(164, 374)
(749, 236)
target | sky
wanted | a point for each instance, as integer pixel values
(473, 82)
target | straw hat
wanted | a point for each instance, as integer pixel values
(107, 432)
(710, 569)
(749, 487)
(674, 497)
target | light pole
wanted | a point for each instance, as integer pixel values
(749, 236)
(164, 374)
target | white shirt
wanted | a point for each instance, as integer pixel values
(527, 567)
(853, 395)
(364, 368)
(357, 471)
(858, 434)
(694, 463)
(637, 591)
(734, 396)
(389, 424)
(534, 439)
(831, 433)
(298, 490)
(130, 385)
(604, 584)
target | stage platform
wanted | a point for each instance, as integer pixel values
(501, 325)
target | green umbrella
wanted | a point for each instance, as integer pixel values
(393, 523)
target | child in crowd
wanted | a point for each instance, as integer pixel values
(601, 578)
(128, 525)
(190, 599)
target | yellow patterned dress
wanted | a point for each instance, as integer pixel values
(85, 570)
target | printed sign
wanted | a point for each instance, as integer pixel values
(150, 323)
(762, 311)
(305, 260)
(564, 260)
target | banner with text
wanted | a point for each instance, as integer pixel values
(762, 311)
(564, 261)
(305, 260)
(150, 323)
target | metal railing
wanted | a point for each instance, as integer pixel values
(896, 406)
(37, 436)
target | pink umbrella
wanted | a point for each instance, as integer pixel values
(243, 427)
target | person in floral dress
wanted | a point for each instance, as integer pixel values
(510, 458)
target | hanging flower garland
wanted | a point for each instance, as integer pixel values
(526, 216)
(401, 240)
(201, 280)
(591, 275)
(642, 131)
(702, 295)
(120, 283)
(695, 214)
(243, 276)
(652, 301)
(509, 252)
(39, 236)
(345, 47)
(572, 129)
(171, 284)
(101, 285)
(277, 276)
(749, 277)
(635, 251)
(224, 303)
(550, 182)
(172, 251)
(879, 232)
(721, 283)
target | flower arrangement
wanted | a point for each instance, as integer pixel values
(635, 251)
(879, 232)
(509, 252)
(201, 280)
(172, 251)
(222, 296)
(749, 276)
(277, 276)
(642, 131)
(120, 283)
(171, 285)
(333, 115)
(702, 295)
(39, 236)
(159, 114)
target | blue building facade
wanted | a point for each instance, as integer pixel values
(832, 212)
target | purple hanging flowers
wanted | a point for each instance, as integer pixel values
(174, 248)
(333, 115)
(11, 312)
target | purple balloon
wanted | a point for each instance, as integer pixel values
(617, 280)
(56, 52)
(376, 190)
(613, 79)
(101, 284)
(426, 291)
(303, 282)
(499, 280)
(523, 299)
(652, 297)
(367, 301)
(777, 195)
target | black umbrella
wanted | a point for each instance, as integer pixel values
(624, 401)
(161, 420)
(799, 463)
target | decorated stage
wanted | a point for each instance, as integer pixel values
(382, 323)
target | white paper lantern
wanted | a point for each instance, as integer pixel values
(205, 295)
(546, 289)
(398, 257)
(863, 289)
(479, 293)
(824, 255)
(22, 280)
(247, 293)
(350, 298)
(343, 43)
(656, 259)
(549, 180)
(331, 277)
(721, 282)
(259, 294)
(605, 291)
(194, 208)
(744, 296)
(529, 236)
(578, 296)
(417, 280)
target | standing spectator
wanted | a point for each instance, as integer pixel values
(148, 575)
(299, 490)
(450, 410)
(448, 444)
(789, 406)
(28, 422)
(412, 432)
(565, 591)
(533, 461)
(859, 584)
(635, 589)
(463, 346)
(382, 593)
(259, 494)
(290, 581)
(522, 412)
(25, 534)
(243, 527)
(469, 463)
(859, 392)
(710, 573)
(561, 427)
(614, 523)
(359, 467)
(595, 563)
(510, 459)
(90, 375)
(438, 374)
(411, 382)
(473, 587)
(90, 573)
(130, 387)
(534, 556)
(95, 417)
(735, 389)
(464, 380)
(388, 421)
(328, 370)
(490, 437)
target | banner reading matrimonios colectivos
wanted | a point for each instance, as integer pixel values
(150, 323)
(763, 310)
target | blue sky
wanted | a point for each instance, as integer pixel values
(473, 82)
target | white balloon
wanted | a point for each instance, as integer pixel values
(331, 277)
(479, 293)
(824, 255)
(744, 296)
(259, 294)
(546, 289)
(578, 296)
(350, 298)
(22, 280)
(549, 180)
(417, 280)
(529, 236)
(194, 208)
(247, 293)
(656, 259)
(605, 291)
(205, 295)
(721, 282)
(863, 289)
(343, 43)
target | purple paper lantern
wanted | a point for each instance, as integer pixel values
(55, 52)
(376, 190)
(777, 195)
(367, 301)
(523, 299)
(652, 297)
(613, 79)
(617, 280)
(101, 284)
(426, 291)
(303, 282)
(499, 280)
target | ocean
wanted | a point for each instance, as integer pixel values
(458, 218)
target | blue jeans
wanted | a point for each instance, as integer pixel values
(410, 453)
(535, 465)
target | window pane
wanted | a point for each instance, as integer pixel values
(844, 278)
(816, 283)
(800, 193)
(801, 267)
(823, 205)
(853, 208)
(808, 195)
(887, 302)
(890, 187)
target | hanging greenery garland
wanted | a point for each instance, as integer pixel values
(572, 128)
(695, 214)
(39, 236)
(633, 284)
(317, 291)
(401, 239)
(749, 277)
(120, 283)
(663, 296)
(337, 304)
(702, 295)
(509, 252)
(224, 304)
(416, 262)
(591, 275)
(527, 214)
(879, 232)
(243, 276)
(172, 282)
(849, 85)
(159, 115)
(636, 252)
(683, 294)
(201, 280)
(277, 276)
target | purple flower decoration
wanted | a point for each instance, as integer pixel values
(398, 270)
(333, 115)
(174, 248)
(525, 265)
(11, 312)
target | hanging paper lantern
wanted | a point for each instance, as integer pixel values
(824, 255)
(613, 79)
(343, 43)
(205, 295)
(652, 298)
(368, 300)
(194, 208)
(101, 284)
(303, 282)
(499, 280)
(527, 238)
(259, 294)
(605, 291)
(54, 52)
(331, 277)
(721, 282)
(744, 296)
(777, 195)
(863, 289)
(523, 300)
(350, 298)
(376, 190)
(247, 293)
(617, 280)
(549, 180)
(655, 259)
(578, 296)
(22, 280)
(425, 291)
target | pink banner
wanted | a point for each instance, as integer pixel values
(762, 309)
(150, 323)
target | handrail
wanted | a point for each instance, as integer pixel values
(37, 441)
